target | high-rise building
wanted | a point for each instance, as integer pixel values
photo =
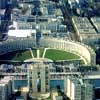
(6, 88)
(39, 78)
(73, 89)
(77, 89)
(87, 91)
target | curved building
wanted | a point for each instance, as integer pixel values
(82, 50)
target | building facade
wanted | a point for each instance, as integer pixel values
(6, 88)
(77, 89)
(39, 78)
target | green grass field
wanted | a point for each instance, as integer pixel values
(34, 52)
(60, 55)
(41, 51)
(52, 54)
(16, 55)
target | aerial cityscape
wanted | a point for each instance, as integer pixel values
(49, 49)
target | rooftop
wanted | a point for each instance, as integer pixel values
(96, 23)
(83, 25)
(5, 80)
(2, 11)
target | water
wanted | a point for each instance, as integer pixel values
(20, 83)
(95, 82)
(53, 83)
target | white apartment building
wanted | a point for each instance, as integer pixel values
(6, 87)
(73, 89)
(76, 89)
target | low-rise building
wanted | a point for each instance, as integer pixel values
(84, 28)
(3, 4)
(73, 3)
(96, 23)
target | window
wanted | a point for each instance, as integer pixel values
(38, 73)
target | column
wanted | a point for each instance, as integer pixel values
(43, 83)
(34, 80)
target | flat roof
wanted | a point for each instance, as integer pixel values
(58, 12)
(2, 11)
(96, 23)
(83, 25)
(20, 33)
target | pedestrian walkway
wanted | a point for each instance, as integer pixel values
(38, 53)
(44, 52)
(31, 53)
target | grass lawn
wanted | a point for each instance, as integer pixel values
(16, 55)
(52, 54)
(60, 55)
(49, 98)
(34, 52)
(81, 62)
(41, 51)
